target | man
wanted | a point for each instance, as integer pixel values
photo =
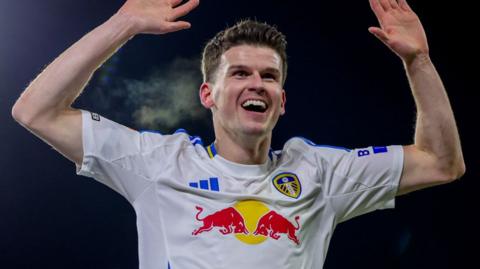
(236, 203)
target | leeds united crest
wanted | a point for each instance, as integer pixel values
(288, 184)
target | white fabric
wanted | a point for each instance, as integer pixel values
(154, 173)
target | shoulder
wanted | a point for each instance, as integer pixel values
(180, 139)
(301, 149)
(302, 145)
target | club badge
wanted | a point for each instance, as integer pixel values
(288, 184)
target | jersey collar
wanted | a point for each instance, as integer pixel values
(237, 168)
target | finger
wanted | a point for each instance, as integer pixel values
(404, 5)
(377, 9)
(177, 26)
(185, 8)
(175, 3)
(394, 4)
(379, 33)
(385, 4)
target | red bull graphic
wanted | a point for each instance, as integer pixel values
(246, 216)
(227, 219)
(272, 224)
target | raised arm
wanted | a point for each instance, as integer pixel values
(44, 107)
(436, 155)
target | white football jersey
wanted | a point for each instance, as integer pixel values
(197, 210)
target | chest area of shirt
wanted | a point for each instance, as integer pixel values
(250, 209)
(281, 184)
(284, 182)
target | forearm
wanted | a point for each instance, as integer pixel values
(57, 87)
(436, 131)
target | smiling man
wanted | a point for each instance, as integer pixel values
(243, 88)
(236, 203)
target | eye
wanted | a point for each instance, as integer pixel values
(240, 73)
(269, 76)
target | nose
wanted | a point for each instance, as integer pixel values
(256, 82)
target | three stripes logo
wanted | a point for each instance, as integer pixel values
(206, 184)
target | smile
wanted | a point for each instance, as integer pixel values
(255, 105)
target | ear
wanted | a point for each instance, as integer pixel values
(206, 96)
(284, 101)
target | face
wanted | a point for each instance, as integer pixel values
(247, 96)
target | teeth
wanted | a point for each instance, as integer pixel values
(254, 103)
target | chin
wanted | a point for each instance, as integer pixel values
(255, 130)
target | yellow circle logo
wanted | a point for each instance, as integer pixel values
(251, 211)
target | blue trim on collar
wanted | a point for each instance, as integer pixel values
(213, 149)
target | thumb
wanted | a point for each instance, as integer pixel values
(177, 26)
(379, 33)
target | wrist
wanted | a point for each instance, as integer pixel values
(126, 22)
(418, 60)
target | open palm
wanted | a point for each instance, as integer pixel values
(400, 28)
(158, 16)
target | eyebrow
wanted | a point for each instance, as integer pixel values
(266, 70)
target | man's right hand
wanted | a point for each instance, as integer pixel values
(157, 16)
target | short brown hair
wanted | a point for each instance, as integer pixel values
(245, 32)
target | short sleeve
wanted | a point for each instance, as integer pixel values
(112, 154)
(362, 180)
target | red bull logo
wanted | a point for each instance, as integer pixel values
(228, 219)
(252, 222)
(272, 224)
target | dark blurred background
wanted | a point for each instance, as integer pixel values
(344, 88)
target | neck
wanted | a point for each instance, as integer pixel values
(243, 149)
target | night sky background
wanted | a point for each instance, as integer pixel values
(344, 88)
